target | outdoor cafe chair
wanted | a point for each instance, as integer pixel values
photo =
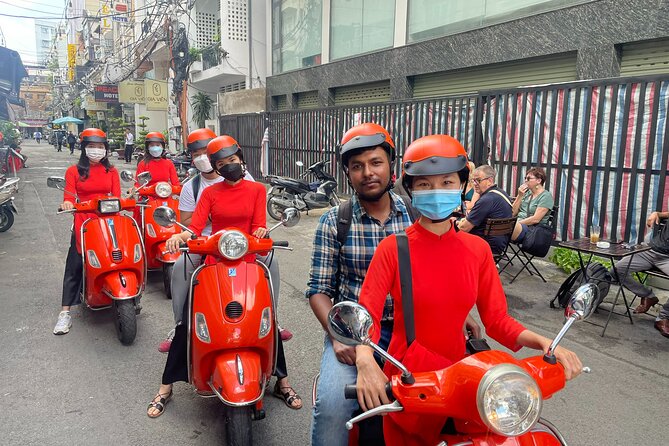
(498, 227)
(525, 258)
(654, 271)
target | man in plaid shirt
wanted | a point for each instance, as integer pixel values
(338, 270)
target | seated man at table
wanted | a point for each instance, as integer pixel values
(492, 203)
(658, 257)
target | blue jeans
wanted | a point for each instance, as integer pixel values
(332, 410)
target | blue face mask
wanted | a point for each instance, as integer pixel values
(155, 151)
(437, 204)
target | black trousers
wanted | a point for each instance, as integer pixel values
(129, 148)
(176, 367)
(73, 275)
(72, 144)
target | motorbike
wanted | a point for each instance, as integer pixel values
(8, 187)
(182, 164)
(232, 329)
(155, 236)
(12, 160)
(113, 259)
(287, 192)
(489, 398)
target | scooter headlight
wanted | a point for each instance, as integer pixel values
(163, 189)
(233, 245)
(265, 323)
(109, 206)
(201, 329)
(509, 400)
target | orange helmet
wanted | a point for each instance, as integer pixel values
(364, 136)
(434, 155)
(154, 137)
(93, 135)
(198, 139)
(222, 147)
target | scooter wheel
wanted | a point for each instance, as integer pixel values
(167, 278)
(126, 321)
(6, 218)
(274, 210)
(238, 430)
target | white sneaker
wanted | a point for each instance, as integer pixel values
(64, 323)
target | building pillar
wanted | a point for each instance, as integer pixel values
(326, 97)
(401, 88)
(598, 62)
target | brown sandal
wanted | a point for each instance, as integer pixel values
(288, 395)
(158, 405)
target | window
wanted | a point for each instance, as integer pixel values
(428, 19)
(360, 26)
(296, 34)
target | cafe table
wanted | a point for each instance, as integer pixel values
(615, 252)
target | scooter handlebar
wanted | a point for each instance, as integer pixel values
(351, 392)
(280, 243)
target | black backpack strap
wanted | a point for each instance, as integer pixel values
(196, 186)
(406, 285)
(344, 217)
(413, 212)
(564, 292)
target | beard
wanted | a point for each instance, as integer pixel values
(373, 197)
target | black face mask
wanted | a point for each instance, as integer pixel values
(231, 172)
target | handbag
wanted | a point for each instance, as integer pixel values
(538, 240)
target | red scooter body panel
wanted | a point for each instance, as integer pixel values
(243, 284)
(155, 235)
(244, 388)
(114, 241)
(452, 392)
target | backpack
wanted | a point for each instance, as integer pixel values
(196, 186)
(596, 273)
(345, 215)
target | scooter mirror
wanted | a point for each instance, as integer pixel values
(126, 176)
(144, 178)
(290, 217)
(164, 216)
(582, 302)
(56, 182)
(349, 323)
(299, 163)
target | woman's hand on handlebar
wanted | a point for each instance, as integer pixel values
(260, 232)
(174, 243)
(66, 206)
(569, 360)
(371, 382)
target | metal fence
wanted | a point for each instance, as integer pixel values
(604, 145)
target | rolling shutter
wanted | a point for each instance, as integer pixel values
(307, 99)
(537, 71)
(363, 93)
(643, 58)
(281, 102)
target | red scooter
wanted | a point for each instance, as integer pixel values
(113, 259)
(149, 198)
(233, 336)
(489, 398)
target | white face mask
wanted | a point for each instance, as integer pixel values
(95, 154)
(155, 151)
(202, 163)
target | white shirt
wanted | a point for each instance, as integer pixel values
(129, 139)
(188, 203)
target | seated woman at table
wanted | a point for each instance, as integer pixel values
(532, 205)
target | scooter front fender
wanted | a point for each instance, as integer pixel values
(238, 378)
(121, 285)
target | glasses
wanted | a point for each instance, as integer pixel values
(529, 178)
(478, 180)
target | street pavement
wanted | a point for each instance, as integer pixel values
(87, 388)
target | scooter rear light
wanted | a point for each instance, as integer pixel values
(265, 323)
(150, 230)
(93, 259)
(137, 255)
(201, 329)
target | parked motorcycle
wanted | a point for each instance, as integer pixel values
(113, 259)
(490, 397)
(182, 163)
(233, 335)
(11, 160)
(302, 195)
(8, 187)
(149, 198)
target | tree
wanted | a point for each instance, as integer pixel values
(142, 133)
(201, 108)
